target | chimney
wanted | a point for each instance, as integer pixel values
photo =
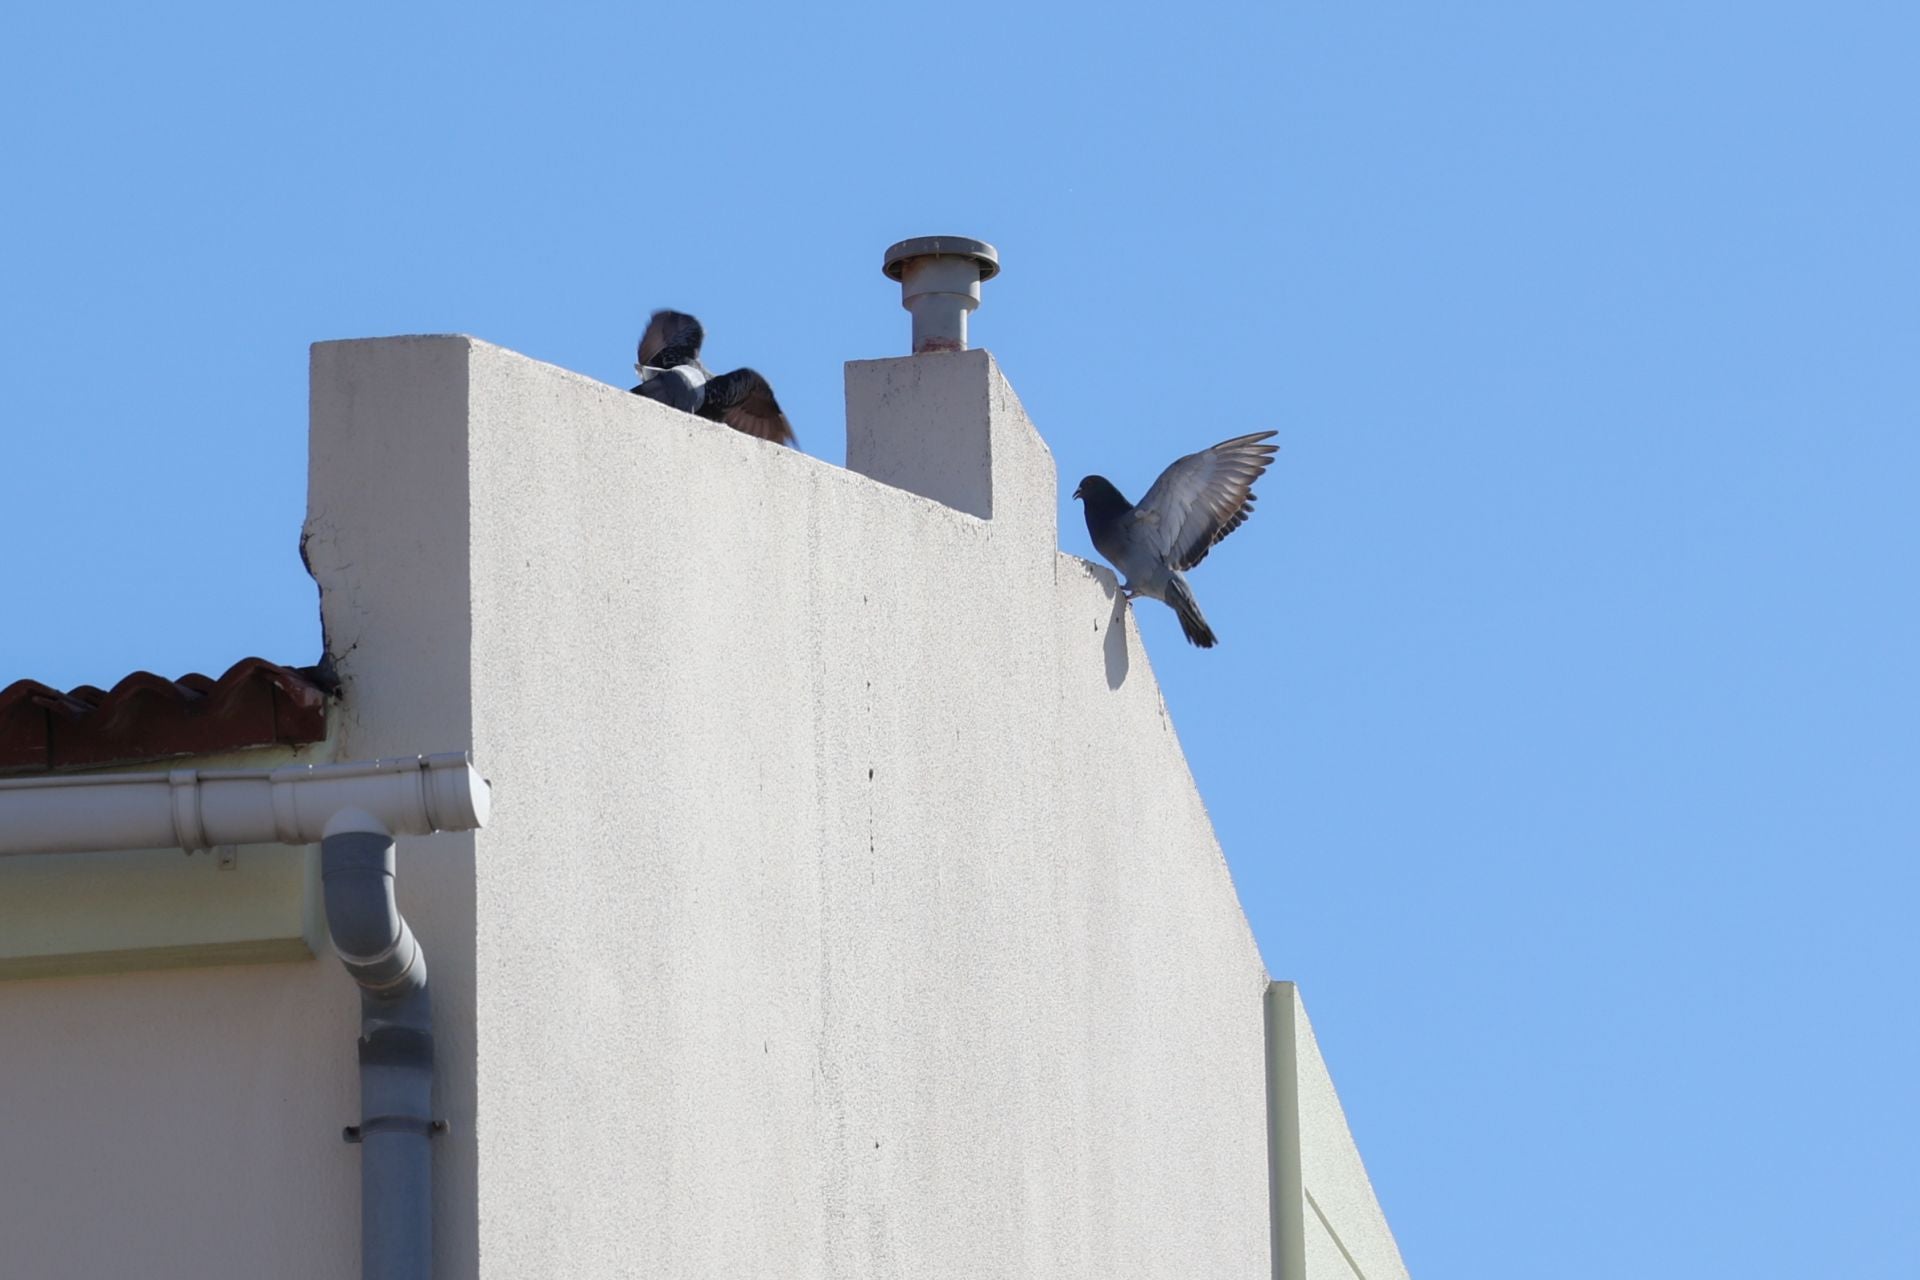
(951, 430)
(940, 278)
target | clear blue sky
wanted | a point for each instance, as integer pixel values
(1565, 733)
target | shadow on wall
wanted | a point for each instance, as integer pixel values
(1116, 644)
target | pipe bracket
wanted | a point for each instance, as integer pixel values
(391, 1124)
(188, 832)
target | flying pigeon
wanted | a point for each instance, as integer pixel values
(670, 372)
(1196, 502)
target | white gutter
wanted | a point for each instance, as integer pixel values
(201, 808)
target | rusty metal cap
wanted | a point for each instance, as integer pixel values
(984, 255)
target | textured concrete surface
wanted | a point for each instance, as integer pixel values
(387, 535)
(847, 911)
(1327, 1223)
(848, 908)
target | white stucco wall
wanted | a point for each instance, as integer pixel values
(847, 910)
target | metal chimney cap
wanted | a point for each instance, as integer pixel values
(984, 255)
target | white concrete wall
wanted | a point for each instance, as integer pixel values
(848, 908)
(847, 911)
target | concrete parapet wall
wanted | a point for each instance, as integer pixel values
(847, 909)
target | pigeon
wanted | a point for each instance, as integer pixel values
(670, 372)
(1196, 502)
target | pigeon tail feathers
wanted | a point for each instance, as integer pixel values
(1192, 624)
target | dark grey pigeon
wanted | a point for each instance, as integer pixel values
(1196, 502)
(670, 372)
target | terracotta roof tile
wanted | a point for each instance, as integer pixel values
(146, 717)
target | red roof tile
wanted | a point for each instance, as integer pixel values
(145, 717)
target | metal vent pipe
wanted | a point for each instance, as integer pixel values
(940, 278)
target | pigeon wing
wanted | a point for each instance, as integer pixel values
(743, 400)
(1202, 498)
(671, 330)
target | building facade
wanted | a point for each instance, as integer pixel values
(846, 908)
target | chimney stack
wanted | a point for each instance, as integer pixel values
(940, 278)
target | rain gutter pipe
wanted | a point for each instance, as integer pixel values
(353, 810)
(202, 808)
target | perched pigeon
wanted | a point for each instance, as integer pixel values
(1196, 502)
(670, 372)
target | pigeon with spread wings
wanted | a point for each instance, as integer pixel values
(670, 372)
(1196, 502)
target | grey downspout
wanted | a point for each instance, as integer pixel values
(396, 1048)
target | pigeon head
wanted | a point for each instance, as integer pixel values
(1101, 497)
(673, 338)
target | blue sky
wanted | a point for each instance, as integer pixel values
(1565, 731)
